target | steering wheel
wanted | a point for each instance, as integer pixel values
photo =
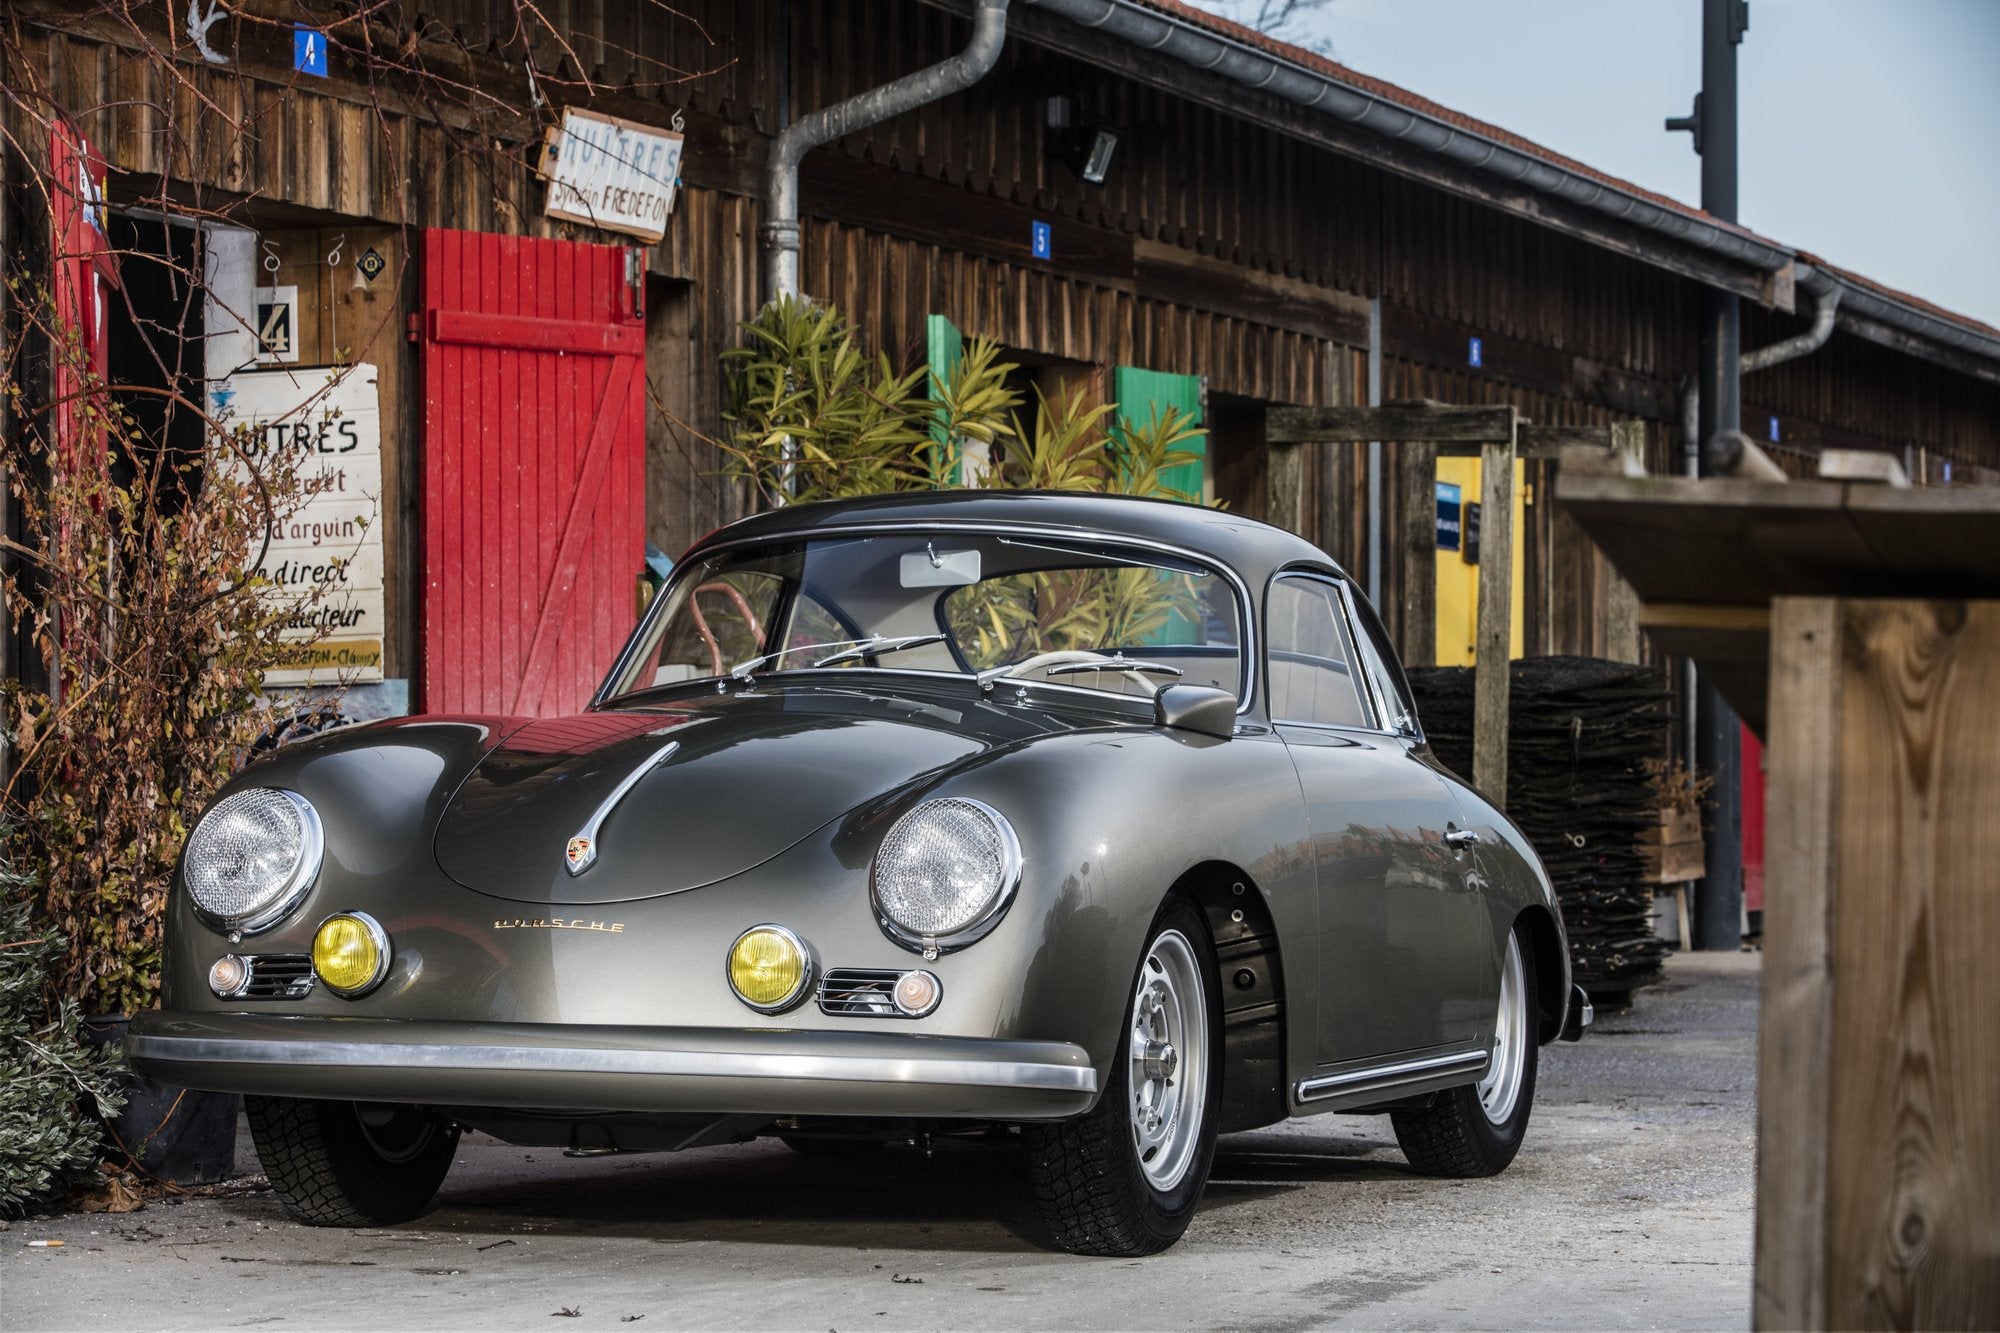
(1064, 656)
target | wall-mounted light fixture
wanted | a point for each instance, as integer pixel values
(1085, 149)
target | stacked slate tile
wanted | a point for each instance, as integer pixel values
(1580, 733)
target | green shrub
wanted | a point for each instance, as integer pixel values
(47, 1142)
(812, 416)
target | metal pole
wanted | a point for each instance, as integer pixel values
(1718, 907)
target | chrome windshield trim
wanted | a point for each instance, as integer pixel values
(1396, 1074)
(1246, 607)
(914, 1069)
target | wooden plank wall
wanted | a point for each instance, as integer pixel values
(1217, 247)
(1879, 1081)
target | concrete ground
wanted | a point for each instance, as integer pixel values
(1629, 1207)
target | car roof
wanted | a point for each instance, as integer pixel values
(1251, 548)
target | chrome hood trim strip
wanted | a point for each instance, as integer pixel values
(581, 853)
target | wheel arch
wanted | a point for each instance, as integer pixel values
(1250, 975)
(1545, 943)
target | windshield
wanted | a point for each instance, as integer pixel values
(1081, 614)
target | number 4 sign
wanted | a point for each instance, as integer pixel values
(277, 324)
(309, 50)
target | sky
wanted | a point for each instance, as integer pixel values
(1870, 129)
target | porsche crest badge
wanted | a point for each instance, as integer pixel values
(579, 854)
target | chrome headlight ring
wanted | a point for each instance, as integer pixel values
(1005, 865)
(291, 888)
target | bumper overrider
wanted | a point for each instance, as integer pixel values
(610, 1068)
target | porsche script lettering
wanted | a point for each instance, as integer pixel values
(577, 923)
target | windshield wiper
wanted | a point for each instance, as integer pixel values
(849, 648)
(881, 643)
(1117, 662)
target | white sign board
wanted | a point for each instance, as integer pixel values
(333, 420)
(611, 173)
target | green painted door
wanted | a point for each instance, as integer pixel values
(1142, 394)
(943, 345)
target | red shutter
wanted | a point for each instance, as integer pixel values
(534, 469)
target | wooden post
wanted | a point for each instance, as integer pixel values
(1419, 602)
(1491, 670)
(1621, 604)
(1285, 482)
(1879, 1079)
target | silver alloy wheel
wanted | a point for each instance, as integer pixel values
(1501, 1087)
(1169, 1050)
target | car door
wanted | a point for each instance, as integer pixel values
(1404, 939)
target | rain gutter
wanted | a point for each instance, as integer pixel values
(1153, 30)
(781, 187)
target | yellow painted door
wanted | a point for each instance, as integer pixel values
(1458, 577)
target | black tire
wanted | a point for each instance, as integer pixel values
(348, 1164)
(1457, 1135)
(1088, 1173)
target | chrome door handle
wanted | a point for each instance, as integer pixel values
(1460, 839)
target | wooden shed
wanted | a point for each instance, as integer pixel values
(1274, 230)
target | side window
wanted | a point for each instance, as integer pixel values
(1311, 656)
(1379, 661)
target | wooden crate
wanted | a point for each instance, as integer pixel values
(1674, 851)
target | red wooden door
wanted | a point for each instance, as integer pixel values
(534, 484)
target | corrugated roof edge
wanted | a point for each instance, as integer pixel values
(1627, 201)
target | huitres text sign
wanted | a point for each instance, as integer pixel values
(610, 173)
(331, 420)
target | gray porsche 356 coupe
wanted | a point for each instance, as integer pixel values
(1102, 818)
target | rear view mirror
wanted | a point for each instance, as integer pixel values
(1201, 708)
(932, 568)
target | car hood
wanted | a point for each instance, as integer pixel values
(712, 787)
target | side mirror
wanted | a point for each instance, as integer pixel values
(1201, 708)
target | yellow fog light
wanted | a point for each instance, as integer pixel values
(350, 953)
(769, 968)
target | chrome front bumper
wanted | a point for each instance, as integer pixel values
(606, 1068)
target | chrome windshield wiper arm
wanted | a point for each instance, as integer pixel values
(881, 643)
(1117, 663)
(742, 670)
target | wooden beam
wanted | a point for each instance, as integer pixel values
(1797, 1018)
(1879, 1081)
(1491, 670)
(1285, 479)
(1621, 604)
(1432, 423)
(1704, 615)
(1550, 441)
(1419, 562)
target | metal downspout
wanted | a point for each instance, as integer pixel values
(781, 184)
(1826, 301)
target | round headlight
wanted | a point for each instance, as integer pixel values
(945, 873)
(252, 857)
(769, 968)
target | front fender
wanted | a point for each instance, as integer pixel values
(1108, 823)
